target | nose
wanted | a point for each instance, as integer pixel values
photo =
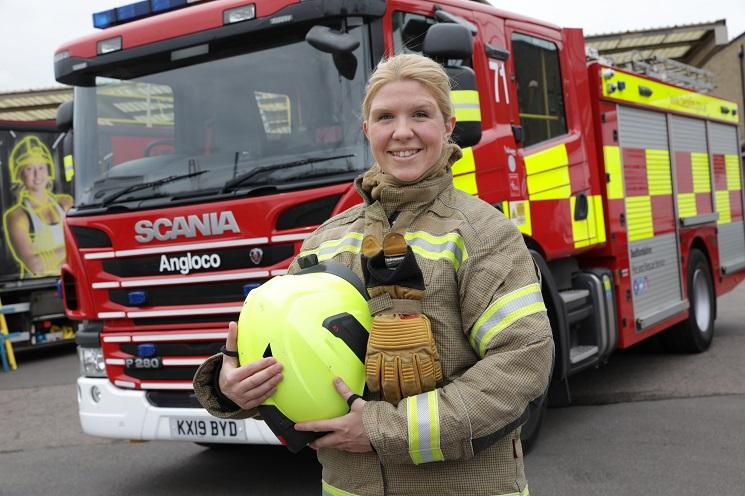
(402, 129)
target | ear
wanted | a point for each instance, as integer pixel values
(364, 129)
(449, 127)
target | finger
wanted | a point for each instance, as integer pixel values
(257, 379)
(231, 345)
(261, 392)
(331, 440)
(318, 426)
(342, 388)
(245, 371)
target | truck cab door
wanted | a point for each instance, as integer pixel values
(552, 122)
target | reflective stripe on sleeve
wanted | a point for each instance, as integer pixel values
(445, 247)
(503, 312)
(423, 418)
(351, 242)
(329, 490)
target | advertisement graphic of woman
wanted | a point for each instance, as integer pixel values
(33, 226)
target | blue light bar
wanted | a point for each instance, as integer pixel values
(133, 11)
(158, 6)
(105, 19)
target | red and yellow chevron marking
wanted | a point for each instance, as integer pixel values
(665, 96)
(694, 183)
(649, 202)
(727, 187)
(550, 186)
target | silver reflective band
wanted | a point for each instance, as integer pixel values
(503, 312)
(423, 419)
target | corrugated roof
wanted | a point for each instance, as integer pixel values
(33, 105)
(691, 44)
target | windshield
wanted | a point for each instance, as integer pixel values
(278, 115)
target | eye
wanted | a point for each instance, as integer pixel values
(384, 116)
(421, 114)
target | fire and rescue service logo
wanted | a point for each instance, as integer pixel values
(256, 254)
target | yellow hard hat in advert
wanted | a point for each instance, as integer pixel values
(316, 324)
(29, 150)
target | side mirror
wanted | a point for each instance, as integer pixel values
(64, 116)
(448, 41)
(324, 39)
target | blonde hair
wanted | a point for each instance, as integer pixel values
(411, 67)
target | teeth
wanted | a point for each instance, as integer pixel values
(404, 153)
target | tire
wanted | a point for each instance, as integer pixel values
(694, 335)
(532, 428)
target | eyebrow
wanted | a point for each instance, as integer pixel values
(414, 106)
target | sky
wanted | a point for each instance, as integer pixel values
(32, 30)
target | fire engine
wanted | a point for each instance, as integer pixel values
(211, 138)
(33, 205)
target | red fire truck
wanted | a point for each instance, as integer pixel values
(211, 139)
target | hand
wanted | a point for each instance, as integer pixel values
(248, 385)
(346, 432)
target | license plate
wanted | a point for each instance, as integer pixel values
(143, 363)
(207, 429)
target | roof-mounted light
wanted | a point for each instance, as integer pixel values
(133, 11)
(239, 14)
(137, 10)
(107, 46)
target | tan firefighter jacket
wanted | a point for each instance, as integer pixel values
(484, 302)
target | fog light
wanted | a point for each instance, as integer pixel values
(95, 394)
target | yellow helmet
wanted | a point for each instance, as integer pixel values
(316, 324)
(29, 150)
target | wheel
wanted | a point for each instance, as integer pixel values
(695, 334)
(532, 428)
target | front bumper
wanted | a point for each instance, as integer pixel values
(127, 414)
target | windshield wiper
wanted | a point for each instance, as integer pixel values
(245, 177)
(152, 184)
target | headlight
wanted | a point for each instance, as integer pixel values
(91, 362)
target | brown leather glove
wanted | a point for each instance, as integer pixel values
(402, 358)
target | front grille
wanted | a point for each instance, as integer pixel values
(172, 399)
(249, 257)
(162, 374)
(196, 319)
(191, 348)
(186, 294)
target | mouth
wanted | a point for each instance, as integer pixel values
(404, 153)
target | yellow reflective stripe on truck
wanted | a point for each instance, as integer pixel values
(464, 173)
(548, 174)
(659, 95)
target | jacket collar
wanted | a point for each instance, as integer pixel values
(375, 186)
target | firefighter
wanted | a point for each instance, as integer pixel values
(33, 226)
(460, 345)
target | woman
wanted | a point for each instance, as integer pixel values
(33, 226)
(482, 299)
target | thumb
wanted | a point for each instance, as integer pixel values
(231, 344)
(342, 388)
(344, 391)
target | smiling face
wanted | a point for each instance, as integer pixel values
(406, 129)
(35, 176)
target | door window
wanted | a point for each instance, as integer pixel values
(539, 93)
